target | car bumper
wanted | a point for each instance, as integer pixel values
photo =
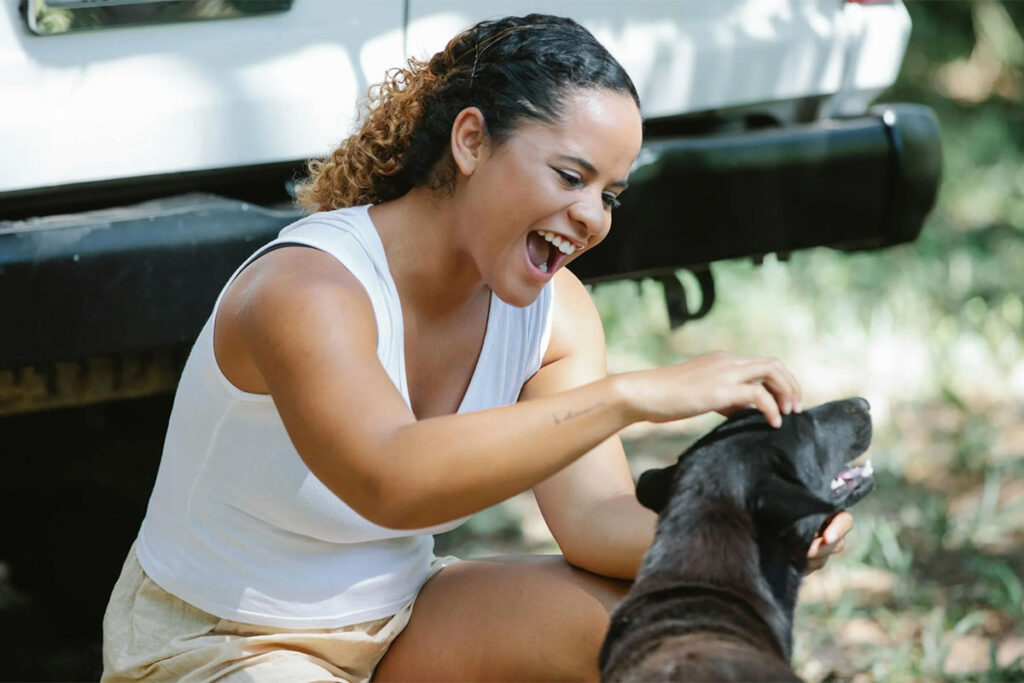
(860, 183)
(144, 277)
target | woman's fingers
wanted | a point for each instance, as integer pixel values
(838, 527)
(782, 384)
(716, 382)
(767, 404)
(815, 565)
(831, 541)
(777, 385)
(820, 550)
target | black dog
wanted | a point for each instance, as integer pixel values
(715, 595)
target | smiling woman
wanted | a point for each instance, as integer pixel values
(410, 353)
(549, 184)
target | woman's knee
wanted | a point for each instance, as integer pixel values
(571, 647)
(504, 619)
(609, 592)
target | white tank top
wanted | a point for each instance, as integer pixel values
(238, 526)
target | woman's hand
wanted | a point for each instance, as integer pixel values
(717, 382)
(830, 541)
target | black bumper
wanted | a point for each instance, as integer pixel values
(853, 184)
(144, 277)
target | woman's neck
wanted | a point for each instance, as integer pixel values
(431, 269)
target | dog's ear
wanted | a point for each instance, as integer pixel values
(779, 504)
(655, 487)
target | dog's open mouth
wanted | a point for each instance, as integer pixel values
(853, 482)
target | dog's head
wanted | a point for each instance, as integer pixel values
(790, 479)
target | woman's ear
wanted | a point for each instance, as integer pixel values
(469, 139)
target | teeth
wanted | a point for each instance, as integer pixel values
(865, 470)
(543, 267)
(563, 245)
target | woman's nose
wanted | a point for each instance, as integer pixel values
(590, 216)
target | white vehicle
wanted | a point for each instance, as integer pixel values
(99, 100)
(148, 146)
(759, 138)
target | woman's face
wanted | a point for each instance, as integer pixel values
(537, 201)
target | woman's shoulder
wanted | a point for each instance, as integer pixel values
(282, 297)
(350, 237)
(290, 280)
(571, 298)
(338, 226)
(351, 216)
(575, 323)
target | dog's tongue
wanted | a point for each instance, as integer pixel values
(538, 249)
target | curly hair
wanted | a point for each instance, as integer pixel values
(511, 69)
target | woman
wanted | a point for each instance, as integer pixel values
(411, 353)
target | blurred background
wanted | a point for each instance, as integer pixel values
(930, 586)
(932, 334)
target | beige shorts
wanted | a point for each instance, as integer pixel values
(150, 634)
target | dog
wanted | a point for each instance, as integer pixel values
(714, 597)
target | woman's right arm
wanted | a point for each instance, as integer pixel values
(305, 327)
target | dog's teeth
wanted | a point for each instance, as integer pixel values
(836, 483)
(867, 470)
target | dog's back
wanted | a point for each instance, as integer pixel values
(692, 633)
(701, 657)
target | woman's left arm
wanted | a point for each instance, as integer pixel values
(590, 506)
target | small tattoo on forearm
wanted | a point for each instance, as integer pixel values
(576, 413)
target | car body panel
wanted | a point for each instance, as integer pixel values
(147, 100)
(143, 100)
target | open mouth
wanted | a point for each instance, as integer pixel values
(547, 251)
(853, 482)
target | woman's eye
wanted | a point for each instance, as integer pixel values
(569, 179)
(574, 182)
